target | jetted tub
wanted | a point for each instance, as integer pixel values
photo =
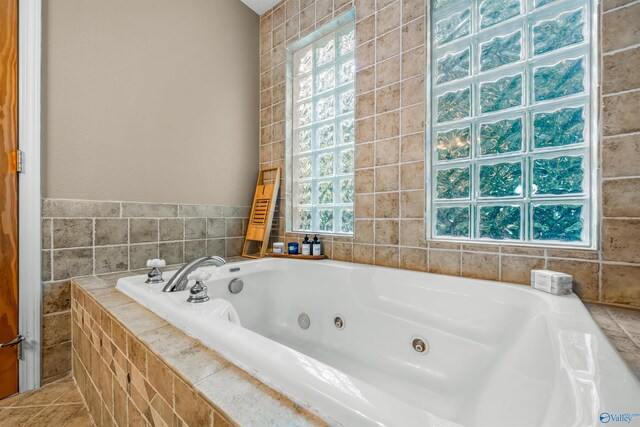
(493, 354)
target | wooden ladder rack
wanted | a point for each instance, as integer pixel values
(264, 205)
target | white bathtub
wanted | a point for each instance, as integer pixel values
(498, 355)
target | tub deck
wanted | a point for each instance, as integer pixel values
(456, 323)
(620, 325)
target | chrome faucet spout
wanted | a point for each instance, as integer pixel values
(179, 281)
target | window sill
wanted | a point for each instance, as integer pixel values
(552, 246)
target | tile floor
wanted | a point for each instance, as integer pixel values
(58, 404)
(622, 327)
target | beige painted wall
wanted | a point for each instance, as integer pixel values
(150, 100)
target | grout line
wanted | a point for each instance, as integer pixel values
(400, 115)
(619, 263)
(620, 135)
(619, 50)
(621, 326)
(546, 259)
(623, 92)
(93, 248)
(619, 178)
(600, 149)
(129, 242)
(43, 406)
(624, 6)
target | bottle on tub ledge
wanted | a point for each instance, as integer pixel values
(292, 248)
(316, 246)
(306, 245)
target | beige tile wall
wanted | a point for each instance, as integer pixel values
(83, 237)
(390, 167)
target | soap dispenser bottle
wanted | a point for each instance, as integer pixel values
(306, 245)
(317, 246)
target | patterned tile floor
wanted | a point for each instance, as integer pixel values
(58, 404)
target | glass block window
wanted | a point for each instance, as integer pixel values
(511, 121)
(324, 134)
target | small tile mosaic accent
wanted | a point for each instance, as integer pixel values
(389, 201)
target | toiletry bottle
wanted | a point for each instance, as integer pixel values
(278, 247)
(292, 248)
(317, 246)
(306, 245)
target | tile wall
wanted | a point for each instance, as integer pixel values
(390, 167)
(81, 237)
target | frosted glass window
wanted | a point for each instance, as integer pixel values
(323, 101)
(511, 122)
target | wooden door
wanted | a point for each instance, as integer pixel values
(8, 195)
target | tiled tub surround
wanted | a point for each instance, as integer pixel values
(133, 368)
(81, 237)
(390, 158)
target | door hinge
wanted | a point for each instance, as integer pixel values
(19, 161)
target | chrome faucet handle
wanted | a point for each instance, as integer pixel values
(155, 275)
(179, 280)
(198, 292)
(199, 276)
